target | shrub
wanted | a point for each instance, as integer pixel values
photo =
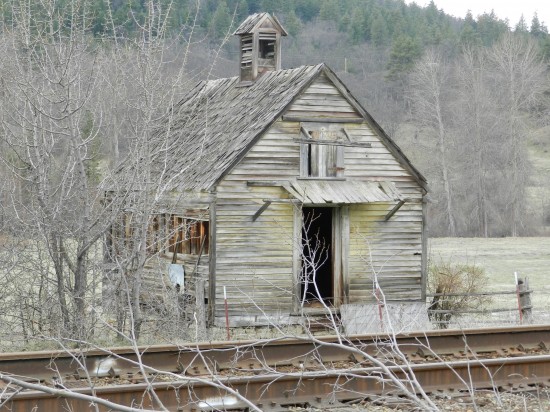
(455, 286)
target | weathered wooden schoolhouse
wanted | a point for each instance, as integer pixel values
(275, 167)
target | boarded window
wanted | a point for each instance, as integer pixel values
(154, 234)
(120, 238)
(246, 56)
(165, 233)
(322, 157)
(188, 236)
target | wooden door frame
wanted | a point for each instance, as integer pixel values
(339, 249)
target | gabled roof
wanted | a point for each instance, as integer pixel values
(217, 121)
(213, 127)
(254, 21)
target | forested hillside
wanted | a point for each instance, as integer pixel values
(467, 99)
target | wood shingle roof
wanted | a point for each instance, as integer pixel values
(218, 121)
(253, 21)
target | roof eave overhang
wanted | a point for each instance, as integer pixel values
(386, 139)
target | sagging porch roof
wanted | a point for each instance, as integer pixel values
(342, 192)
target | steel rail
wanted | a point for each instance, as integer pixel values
(318, 388)
(204, 358)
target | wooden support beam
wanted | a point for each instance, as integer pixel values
(305, 132)
(268, 202)
(263, 183)
(332, 142)
(261, 210)
(282, 200)
(323, 119)
(394, 210)
(348, 136)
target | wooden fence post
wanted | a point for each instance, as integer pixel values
(525, 301)
(200, 313)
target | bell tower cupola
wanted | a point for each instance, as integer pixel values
(260, 46)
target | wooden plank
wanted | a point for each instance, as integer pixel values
(394, 210)
(296, 257)
(309, 118)
(337, 234)
(424, 261)
(321, 90)
(320, 107)
(212, 264)
(304, 156)
(264, 183)
(261, 210)
(345, 251)
(332, 143)
(324, 115)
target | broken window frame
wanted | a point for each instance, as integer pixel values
(267, 49)
(320, 160)
(247, 56)
(120, 237)
(166, 233)
(186, 235)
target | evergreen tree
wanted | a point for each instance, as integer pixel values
(379, 32)
(359, 29)
(330, 11)
(254, 6)
(397, 24)
(545, 49)
(221, 21)
(521, 26)
(469, 35)
(239, 7)
(307, 10)
(292, 23)
(491, 28)
(538, 29)
(404, 53)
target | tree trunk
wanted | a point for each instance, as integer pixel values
(57, 258)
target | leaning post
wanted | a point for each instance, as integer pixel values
(525, 301)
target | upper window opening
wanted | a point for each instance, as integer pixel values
(321, 159)
(267, 49)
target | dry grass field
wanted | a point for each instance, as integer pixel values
(501, 257)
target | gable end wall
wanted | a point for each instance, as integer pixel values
(254, 259)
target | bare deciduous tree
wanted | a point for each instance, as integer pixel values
(48, 134)
(477, 123)
(518, 76)
(429, 85)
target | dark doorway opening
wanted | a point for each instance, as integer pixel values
(317, 274)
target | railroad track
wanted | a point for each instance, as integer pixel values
(276, 374)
